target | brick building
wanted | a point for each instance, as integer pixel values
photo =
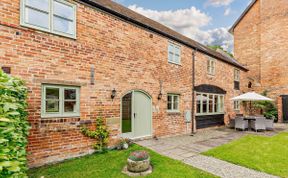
(83, 59)
(261, 44)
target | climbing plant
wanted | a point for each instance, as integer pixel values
(101, 134)
(13, 126)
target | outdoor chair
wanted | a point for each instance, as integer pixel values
(269, 123)
(231, 124)
(240, 123)
(259, 124)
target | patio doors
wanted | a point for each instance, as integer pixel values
(136, 115)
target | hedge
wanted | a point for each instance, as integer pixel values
(13, 127)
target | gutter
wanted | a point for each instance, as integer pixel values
(94, 4)
(193, 118)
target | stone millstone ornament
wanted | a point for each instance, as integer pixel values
(138, 164)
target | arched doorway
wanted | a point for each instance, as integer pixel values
(136, 115)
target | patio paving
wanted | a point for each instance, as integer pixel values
(188, 148)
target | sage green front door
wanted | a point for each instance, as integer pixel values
(136, 115)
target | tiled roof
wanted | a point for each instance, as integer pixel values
(144, 22)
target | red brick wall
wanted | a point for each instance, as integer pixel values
(125, 57)
(261, 42)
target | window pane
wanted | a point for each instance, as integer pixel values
(198, 103)
(63, 10)
(205, 105)
(37, 18)
(216, 103)
(62, 25)
(170, 57)
(70, 94)
(176, 103)
(169, 102)
(210, 103)
(42, 4)
(52, 106)
(70, 106)
(52, 93)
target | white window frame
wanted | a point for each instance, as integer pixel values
(237, 105)
(211, 66)
(220, 105)
(236, 75)
(174, 46)
(51, 15)
(61, 112)
(172, 103)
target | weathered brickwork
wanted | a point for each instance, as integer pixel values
(261, 42)
(125, 57)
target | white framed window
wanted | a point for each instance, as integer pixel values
(173, 102)
(60, 101)
(54, 16)
(236, 75)
(174, 53)
(237, 105)
(209, 104)
(211, 63)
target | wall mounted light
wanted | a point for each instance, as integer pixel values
(113, 94)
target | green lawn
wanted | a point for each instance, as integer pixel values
(266, 154)
(110, 164)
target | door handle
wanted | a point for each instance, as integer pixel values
(134, 115)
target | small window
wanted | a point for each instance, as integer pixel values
(236, 105)
(60, 101)
(236, 75)
(211, 66)
(55, 16)
(174, 53)
(236, 79)
(173, 102)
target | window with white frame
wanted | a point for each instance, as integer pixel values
(55, 16)
(209, 104)
(236, 105)
(174, 53)
(60, 101)
(236, 75)
(211, 66)
(173, 102)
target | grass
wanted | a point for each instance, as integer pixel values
(265, 154)
(111, 164)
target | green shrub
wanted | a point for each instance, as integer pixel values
(267, 108)
(101, 135)
(13, 127)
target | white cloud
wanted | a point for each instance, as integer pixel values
(218, 3)
(227, 11)
(190, 22)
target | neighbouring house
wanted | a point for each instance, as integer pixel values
(261, 44)
(83, 59)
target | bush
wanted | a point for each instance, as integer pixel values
(267, 108)
(101, 135)
(13, 127)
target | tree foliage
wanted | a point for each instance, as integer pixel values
(13, 126)
(215, 47)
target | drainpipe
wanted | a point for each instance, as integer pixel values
(193, 121)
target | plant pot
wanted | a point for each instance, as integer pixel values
(138, 166)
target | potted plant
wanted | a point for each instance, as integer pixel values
(138, 161)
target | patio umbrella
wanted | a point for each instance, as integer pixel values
(251, 96)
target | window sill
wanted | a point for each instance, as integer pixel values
(173, 112)
(178, 64)
(60, 117)
(72, 37)
(209, 114)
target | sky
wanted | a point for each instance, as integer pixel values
(206, 21)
